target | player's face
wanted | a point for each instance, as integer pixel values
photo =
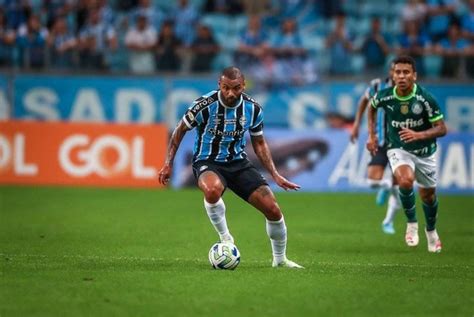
(404, 76)
(231, 89)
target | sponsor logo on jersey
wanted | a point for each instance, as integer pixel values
(190, 116)
(226, 133)
(202, 104)
(242, 120)
(416, 108)
(390, 107)
(404, 109)
(408, 123)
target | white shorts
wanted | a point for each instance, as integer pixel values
(424, 167)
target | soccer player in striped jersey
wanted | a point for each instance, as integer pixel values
(378, 163)
(414, 121)
(221, 118)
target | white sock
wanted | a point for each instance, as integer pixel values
(276, 231)
(381, 183)
(392, 208)
(216, 213)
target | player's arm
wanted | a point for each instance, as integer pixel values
(175, 140)
(371, 121)
(362, 105)
(437, 130)
(262, 151)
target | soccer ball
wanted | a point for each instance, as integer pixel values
(224, 256)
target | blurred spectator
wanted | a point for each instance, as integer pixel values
(55, 9)
(31, 42)
(205, 49)
(168, 49)
(7, 42)
(94, 39)
(253, 7)
(253, 43)
(141, 40)
(185, 19)
(291, 56)
(17, 12)
(62, 45)
(414, 10)
(415, 43)
(340, 47)
(453, 49)
(106, 13)
(467, 22)
(230, 7)
(329, 8)
(375, 48)
(440, 14)
(153, 15)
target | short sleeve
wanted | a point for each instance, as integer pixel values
(433, 110)
(375, 101)
(193, 116)
(256, 128)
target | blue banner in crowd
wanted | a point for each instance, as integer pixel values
(96, 99)
(156, 99)
(327, 161)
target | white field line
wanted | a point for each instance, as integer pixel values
(155, 259)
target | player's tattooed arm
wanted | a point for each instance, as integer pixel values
(437, 130)
(372, 140)
(165, 173)
(262, 151)
(175, 141)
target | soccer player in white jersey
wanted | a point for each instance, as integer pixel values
(222, 117)
(414, 122)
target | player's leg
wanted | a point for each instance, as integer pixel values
(375, 173)
(426, 177)
(392, 207)
(403, 169)
(212, 185)
(264, 200)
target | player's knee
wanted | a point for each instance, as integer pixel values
(405, 182)
(273, 212)
(428, 198)
(213, 193)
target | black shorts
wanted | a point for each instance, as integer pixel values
(240, 176)
(380, 158)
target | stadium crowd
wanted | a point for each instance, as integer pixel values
(274, 41)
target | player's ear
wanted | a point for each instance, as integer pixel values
(414, 76)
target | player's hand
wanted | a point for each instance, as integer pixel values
(164, 174)
(284, 183)
(354, 133)
(407, 135)
(372, 144)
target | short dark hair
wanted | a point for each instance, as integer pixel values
(405, 59)
(232, 73)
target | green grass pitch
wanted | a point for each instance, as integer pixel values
(129, 252)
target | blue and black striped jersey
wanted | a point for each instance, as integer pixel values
(220, 129)
(375, 86)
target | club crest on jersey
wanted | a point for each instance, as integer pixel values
(242, 120)
(404, 109)
(416, 108)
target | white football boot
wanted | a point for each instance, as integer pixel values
(434, 243)
(227, 238)
(411, 235)
(287, 263)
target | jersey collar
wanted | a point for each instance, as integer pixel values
(404, 98)
(226, 106)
